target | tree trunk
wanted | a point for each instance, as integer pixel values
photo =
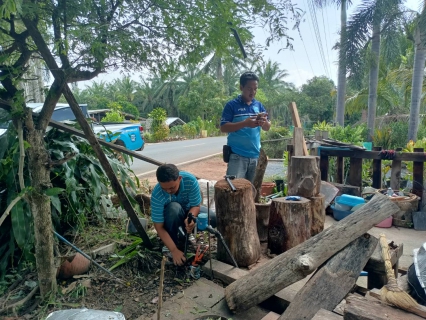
(236, 221)
(295, 216)
(341, 79)
(305, 178)
(417, 84)
(373, 81)
(262, 220)
(262, 163)
(317, 214)
(333, 281)
(298, 262)
(40, 208)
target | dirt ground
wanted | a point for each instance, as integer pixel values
(210, 169)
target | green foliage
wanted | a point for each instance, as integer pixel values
(383, 138)
(159, 128)
(161, 132)
(130, 108)
(349, 134)
(322, 126)
(113, 116)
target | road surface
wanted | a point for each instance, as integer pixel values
(177, 152)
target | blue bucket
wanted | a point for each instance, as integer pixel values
(202, 221)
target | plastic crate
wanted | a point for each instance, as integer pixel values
(340, 214)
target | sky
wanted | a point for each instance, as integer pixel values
(306, 60)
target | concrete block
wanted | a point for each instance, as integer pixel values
(131, 227)
(104, 250)
(205, 292)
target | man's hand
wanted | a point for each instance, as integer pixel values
(178, 257)
(251, 122)
(189, 227)
(261, 121)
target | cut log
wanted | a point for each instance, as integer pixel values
(289, 225)
(236, 221)
(297, 124)
(317, 215)
(359, 308)
(347, 189)
(262, 220)
(305, 180)
(262, 163)
(294, 264)
(333, 281)
(298, 140)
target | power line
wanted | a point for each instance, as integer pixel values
(297, 68)
(327, 48)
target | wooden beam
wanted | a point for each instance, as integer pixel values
(333, 281)
(407, 156)
(418, 170)
(377, 170)
(396, 173)
(296, 122)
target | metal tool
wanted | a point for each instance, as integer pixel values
(228, 179)
(199, 254)
(87, 256)
(190, 219)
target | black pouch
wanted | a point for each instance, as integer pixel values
(226, 153)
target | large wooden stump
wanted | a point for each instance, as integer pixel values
(289, 224)
(333, 281)
(236, 221)
(305, 178)
(296, 263)
(317, 212)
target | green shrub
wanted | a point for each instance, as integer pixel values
(161, 132)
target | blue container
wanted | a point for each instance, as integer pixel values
(202, 221)
(340, 214)
(349, 200)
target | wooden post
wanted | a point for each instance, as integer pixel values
(262, 163)
(262, 220)
(377, 170)
(324, 167)
(236, 221)
(396, 173)
(295, 216)
(305, 178)
(333, 281)
(297, 124)
(355, 172)
(418, 168)
(317, 214)
(296, 263)
(290, 149)
(298, 140)
(340, 169)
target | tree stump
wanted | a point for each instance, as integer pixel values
(305, 178)
(289, 224)
(236, 221)
(317, 216)
(262, 220)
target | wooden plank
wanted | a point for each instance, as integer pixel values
(359, 308)
(324, 168)
(326, 315)
(297, 124)
(418, 168)
(347, 189)
(332, 282)
(396, 173)
(374, 155)
(419, 310)
(298, 140)
(340, 170)
(377, 170)
(355, 172)
(271, 316)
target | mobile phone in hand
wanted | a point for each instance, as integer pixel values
(260, 115)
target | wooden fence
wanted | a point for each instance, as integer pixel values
(418, 157)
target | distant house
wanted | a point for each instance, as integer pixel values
(98, 114)
(174, 121)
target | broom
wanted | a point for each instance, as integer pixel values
(391, 293)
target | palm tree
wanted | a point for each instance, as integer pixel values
(418, 75)
(341, 78)
(373, 19)
(271, 76)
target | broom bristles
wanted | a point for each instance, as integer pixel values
(397, 297)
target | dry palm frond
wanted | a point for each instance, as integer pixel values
(391, 293)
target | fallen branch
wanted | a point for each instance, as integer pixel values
(9, 208)
(20, 302)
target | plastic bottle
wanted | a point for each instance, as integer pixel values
(390, 192)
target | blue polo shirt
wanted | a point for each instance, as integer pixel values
(189, 196)
(246, 141)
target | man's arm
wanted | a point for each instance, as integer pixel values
(235, 126)
(178, 256)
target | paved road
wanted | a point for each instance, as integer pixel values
(177, 152)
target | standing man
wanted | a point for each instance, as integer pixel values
(176, 194)
(242, 119)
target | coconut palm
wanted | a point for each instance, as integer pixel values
(372, 20)
(418, 75)
(341, 78)
(271, 76)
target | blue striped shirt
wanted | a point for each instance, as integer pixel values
(246, 141)
(189, 196)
